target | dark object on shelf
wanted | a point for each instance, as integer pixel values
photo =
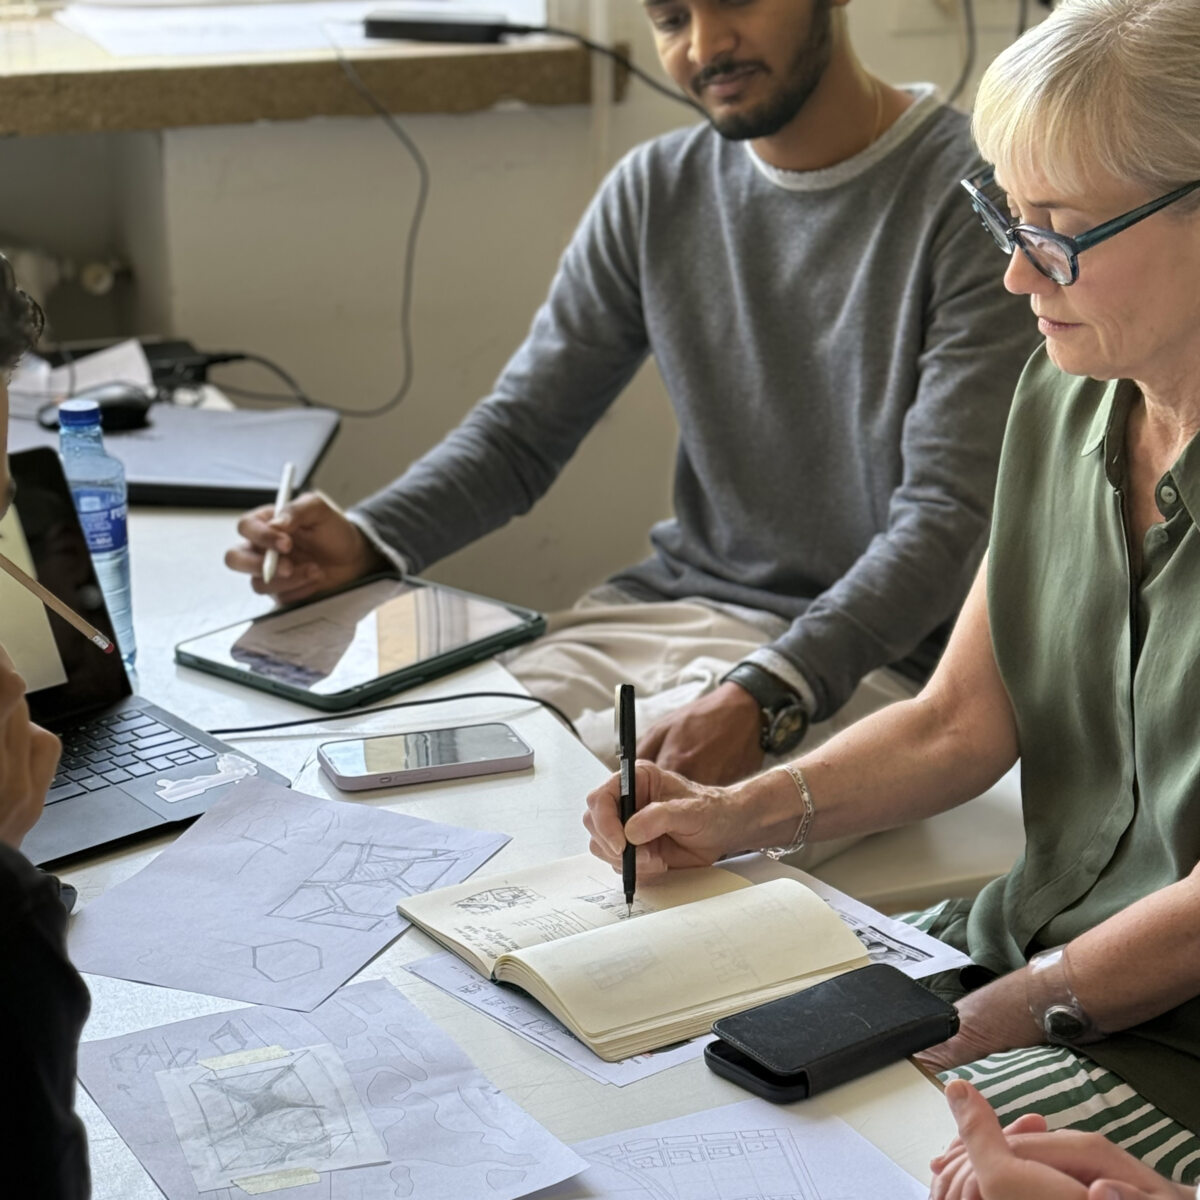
(479, 27)
(123, 406)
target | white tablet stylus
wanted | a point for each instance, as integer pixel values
(282, 498)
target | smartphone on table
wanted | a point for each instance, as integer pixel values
(394, 760)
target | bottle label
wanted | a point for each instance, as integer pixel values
(103, 517)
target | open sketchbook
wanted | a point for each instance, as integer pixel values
(703, 944)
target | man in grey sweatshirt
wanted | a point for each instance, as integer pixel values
(831, 327)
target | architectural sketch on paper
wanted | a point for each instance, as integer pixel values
(364, 1090)
(298, 1110)
(883, 947)
(356, 887)
(613, 901)
(497, 899)
(758, 1164)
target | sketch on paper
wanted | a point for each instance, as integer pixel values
(497, 899)
(365, 1090)
(751, 1150)
(887, 939)
(884, 947)
(527, 1018)
(613, 901)
(617, 969)
(299, 1110)
(357, 885)
(734, 1164)
(273, 896)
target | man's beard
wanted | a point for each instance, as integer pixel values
(807, 70)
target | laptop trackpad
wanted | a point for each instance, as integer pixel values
(86, 821)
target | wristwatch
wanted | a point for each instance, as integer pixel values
(1053, 1002)
(784, 718)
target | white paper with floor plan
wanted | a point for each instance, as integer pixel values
(888, 940)
(269, 1097)
(747, 1151)
(273, 897)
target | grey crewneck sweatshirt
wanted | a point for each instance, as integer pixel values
(840, 354)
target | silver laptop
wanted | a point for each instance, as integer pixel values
(128, 766)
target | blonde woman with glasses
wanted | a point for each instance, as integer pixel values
(1079, 644)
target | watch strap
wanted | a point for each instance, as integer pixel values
(783, 714)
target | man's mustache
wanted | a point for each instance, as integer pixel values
(719, 70)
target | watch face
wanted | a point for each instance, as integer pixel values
(786, 729)
(1063, 1024)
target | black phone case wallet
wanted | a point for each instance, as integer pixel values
(830, 1033)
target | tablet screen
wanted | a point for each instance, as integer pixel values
(351, 639)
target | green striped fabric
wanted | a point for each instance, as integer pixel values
(1072, 1092)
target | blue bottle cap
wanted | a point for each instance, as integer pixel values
(78, 414)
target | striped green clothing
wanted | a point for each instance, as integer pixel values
(1069, 1089)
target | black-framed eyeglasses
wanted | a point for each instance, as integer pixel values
(1055, 254)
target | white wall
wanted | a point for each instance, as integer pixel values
(287, 239)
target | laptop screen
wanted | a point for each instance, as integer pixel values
(66, 675)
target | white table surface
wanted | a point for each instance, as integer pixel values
(180, 588)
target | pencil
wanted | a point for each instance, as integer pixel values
(52, 602)
(282, 498)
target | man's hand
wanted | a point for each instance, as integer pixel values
(1024, 1162)
(319, 549)
(992, 1019)
(678, 823)
(712, 740)
(28, 759)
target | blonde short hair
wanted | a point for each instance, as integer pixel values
(1101, 87)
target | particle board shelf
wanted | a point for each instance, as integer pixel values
(55, 81)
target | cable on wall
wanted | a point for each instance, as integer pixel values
(296, 394)
(971, 35)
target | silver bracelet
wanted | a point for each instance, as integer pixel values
(806, 817)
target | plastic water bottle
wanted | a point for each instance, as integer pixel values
(97, 483)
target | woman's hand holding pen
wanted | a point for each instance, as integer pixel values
(678, 823)
(319, 548)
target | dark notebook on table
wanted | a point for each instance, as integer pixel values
(128, 766)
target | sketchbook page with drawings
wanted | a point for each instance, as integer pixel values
(488, 917)
(625, 990)
(560, 932)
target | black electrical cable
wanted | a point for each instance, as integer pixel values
(359, 712)
(297, 393)
(968, 13)
(406, 287)
(620, 59)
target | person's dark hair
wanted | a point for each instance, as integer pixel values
(21, 319)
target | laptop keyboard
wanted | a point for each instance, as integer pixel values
(118, 747)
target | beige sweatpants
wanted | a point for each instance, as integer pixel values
(673, 652)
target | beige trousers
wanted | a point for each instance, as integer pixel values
(673, 652)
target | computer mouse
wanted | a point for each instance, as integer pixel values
(123, 406)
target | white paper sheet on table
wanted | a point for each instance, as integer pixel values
(751, 1151)
(272, 896)
(446, 1132)
(887, 940)
(526, 1017)
(35, 382)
